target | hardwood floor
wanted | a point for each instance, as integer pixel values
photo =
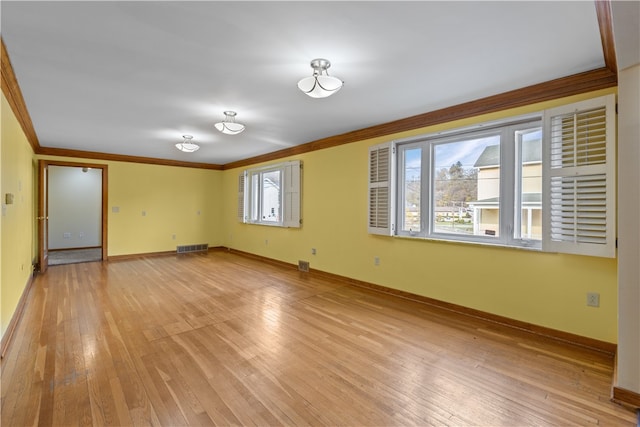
(222, 339)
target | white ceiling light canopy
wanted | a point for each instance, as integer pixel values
(320, 84)
(229, 125)
(187, 145)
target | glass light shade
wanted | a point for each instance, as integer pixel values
(230, 128)
(320, 86)
(229, 125)
(187, 146)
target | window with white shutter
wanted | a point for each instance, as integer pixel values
(381, 167)
(542, 181)
(241, 196)
(292, 184)
(579, 178)
(271, 195)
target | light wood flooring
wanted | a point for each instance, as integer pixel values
(221, 339)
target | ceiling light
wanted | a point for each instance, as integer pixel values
(320, 84)
(187, 145)
(229, 125)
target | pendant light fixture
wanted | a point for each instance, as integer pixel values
(187, 145)
(229, 125)
(320, 84)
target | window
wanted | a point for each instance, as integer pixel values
(515, 183)
(270, 195)
(462, 187)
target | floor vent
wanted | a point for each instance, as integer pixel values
(184, 249)
(303, 266)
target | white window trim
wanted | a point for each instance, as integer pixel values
(290, 194)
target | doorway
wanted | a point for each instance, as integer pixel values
(72, 214)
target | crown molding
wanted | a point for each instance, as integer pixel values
(12, 92)
(605, 22)
(64, 152)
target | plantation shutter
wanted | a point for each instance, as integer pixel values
(579, 178)
(381, 189)
(242, 201)
(292, 185)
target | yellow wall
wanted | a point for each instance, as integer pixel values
(178, 201)
(540, 288)
(17, 219)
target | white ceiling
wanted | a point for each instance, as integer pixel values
(133, 77)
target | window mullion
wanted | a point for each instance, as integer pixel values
(507, 185)
(260, 191)
(517, 189)
(283, 186)
(427, 177)
(252, 198)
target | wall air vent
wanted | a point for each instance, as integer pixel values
(184, 249)
(303, 266)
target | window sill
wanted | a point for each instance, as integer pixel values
(469, 242)
(266, 224)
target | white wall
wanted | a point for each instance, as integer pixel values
(626, 27)
(629, 229)
(75, 207)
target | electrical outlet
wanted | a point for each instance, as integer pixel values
(313, 251)
(376, 260)
(593, 299)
